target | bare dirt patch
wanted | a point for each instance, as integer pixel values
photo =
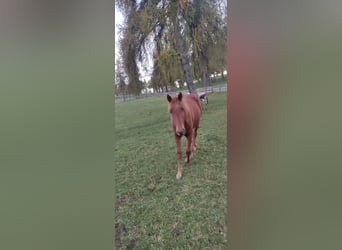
(175, 230)
(122, 200)
(119, 231)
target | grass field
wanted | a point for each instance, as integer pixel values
(152, 209)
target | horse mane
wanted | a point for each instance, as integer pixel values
(186, 109)
(185, 104)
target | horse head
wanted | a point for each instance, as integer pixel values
(177, 114)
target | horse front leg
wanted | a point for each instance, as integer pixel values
(189, 148)
(194, 145)
(179, 155)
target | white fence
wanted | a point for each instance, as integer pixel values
(124, 98)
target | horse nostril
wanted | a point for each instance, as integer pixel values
(180, 132)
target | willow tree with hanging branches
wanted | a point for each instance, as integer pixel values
(181, 34)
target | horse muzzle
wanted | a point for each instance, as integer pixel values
(180, 132)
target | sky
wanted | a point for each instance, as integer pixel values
(118, 21)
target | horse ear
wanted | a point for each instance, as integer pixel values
(169, 98)
(180, 95)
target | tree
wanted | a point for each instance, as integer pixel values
(120, 77)
(180, 46)
(132, 45)
(174, 30)
(218, 59)
(207, 31)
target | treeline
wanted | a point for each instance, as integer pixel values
(187, 40)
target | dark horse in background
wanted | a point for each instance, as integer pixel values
(185, 113)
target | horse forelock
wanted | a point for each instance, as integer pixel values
(173, 108)
(174, 102)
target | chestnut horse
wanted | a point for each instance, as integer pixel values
(185, 113)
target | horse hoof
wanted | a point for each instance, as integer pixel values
(178, 176)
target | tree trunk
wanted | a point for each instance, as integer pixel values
(184, 57)
(204, 80)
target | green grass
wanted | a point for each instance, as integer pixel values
(152, 209)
